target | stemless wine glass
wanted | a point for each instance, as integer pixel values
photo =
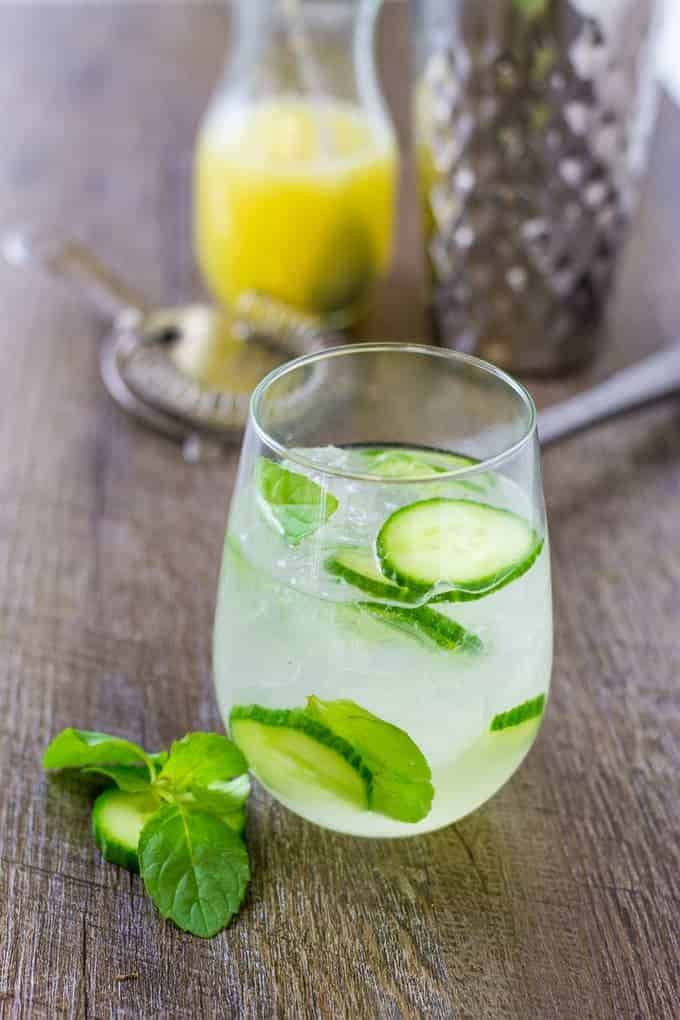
(383, 634)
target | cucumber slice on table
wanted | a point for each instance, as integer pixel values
(471, 547)
(358, 567)
(117, 820)
(423, 622)
(296, 756)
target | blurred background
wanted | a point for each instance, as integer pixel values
(109, 98)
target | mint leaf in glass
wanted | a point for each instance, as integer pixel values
(78, 749)
(401, 787)
(194, 867)
(200, 759)
(292, 503)
(520, 713)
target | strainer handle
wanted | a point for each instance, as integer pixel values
(72, 261)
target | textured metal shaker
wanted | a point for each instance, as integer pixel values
(531, 124)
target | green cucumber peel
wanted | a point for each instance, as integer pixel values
(175, 816)
(492, 582)
(357, 566)
(425, 624)
(292, 503)
(531, 709)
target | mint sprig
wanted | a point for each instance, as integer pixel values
(520, 713)
(190, 854)
(292, 503)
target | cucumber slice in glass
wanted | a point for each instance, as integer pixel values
(357, 566)
(297, 757)
(404, 463)
(117, 820)
(398, 462)
(472, 548)
(520, 714)
(426, 623)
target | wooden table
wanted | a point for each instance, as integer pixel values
(559, 898)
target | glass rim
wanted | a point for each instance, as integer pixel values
(404, 347)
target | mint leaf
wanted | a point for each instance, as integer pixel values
(158, 759)
(194, 867)
(129, 778)
(199, 760)
(293, 504)
(222, 799)
(226, 800)
(520, 713)
(401, 775)
(79, 749)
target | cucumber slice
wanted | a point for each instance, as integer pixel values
(402, 462)
(296, 756)
(471, 547)
(423, 622)
(357, 566)
(518, 715)
(117, 820)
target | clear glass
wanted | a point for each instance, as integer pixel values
(381, 427)
(295, 160)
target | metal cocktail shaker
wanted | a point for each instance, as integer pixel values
(531, 124)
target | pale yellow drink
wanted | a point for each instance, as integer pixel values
(294, 199)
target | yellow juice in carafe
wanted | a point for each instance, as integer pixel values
(294, 199)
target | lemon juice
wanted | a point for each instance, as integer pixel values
(294, 199)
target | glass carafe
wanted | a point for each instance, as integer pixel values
(295, 160)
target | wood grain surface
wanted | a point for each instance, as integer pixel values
(560, 897)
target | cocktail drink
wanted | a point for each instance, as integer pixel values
(383, 635)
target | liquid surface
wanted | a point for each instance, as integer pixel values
(285, 628)
(295, 200)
